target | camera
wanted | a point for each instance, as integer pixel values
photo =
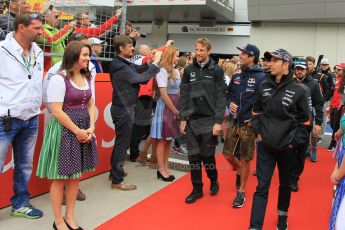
(141, 35)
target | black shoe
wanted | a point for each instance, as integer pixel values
(132, 159)
(54, 226)
(180, 150)
(294, 186)
(166, 179)
(214, 188)
(239, 200)
(70, 228)
(238, 181)
(282, 223)
(307, 154)
(330, 148)
(191, 198)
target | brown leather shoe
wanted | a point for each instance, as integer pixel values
(123, 186)
(80, 195)
(142, 158)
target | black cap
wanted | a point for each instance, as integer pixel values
(251, 50)
(267, 56)
(281, 54)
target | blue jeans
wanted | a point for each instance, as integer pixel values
(123, 119)
(266, 161)
(23, 136)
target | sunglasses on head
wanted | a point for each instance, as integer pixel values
(34, 16)
(77, 36)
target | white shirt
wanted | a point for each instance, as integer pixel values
(137, 59)
(52, 71)
(57, 88)
(227, 79)
(20, 88)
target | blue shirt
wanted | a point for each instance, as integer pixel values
(97, 64)
(242, 91)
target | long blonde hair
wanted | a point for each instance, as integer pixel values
(229, 69)
(168, 61)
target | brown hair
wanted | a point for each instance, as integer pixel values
(311, 59)
(71, 56)
(167, 61)
(204, 42)
(25, 19)
(181, 62)
(121, 40)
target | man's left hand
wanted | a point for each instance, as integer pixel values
(216, 129)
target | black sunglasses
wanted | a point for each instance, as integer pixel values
(77, 37)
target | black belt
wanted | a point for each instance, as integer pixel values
(242, 124)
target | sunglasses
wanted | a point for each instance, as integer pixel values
(301, 63)
(29, 17)
(77, 37)
(34, 16)
(83, 18)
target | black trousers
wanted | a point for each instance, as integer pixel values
(201, 150)
(265, 165)
(178, 141)
(142, 124)
(298, 162)
(334, 122)
(123, 119)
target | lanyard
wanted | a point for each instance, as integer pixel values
(28, 63)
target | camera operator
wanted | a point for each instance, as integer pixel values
(108, 38)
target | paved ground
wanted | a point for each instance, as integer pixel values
(103, 203)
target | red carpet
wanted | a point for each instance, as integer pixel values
(166, 210)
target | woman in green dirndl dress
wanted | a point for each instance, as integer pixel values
(69, 147)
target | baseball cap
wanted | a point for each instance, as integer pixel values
(281, 54)
(267, 56)
(251, 50)
(301, 63)
(95, 41)
(340, 65)
(324, 61)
